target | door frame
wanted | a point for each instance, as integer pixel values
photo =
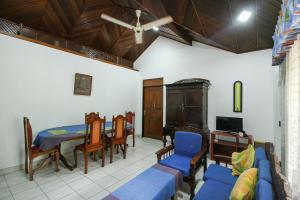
(153, 82)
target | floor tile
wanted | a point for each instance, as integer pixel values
(5, 192)
(10, 197)
(106, 181)
(80, 183)
(50, 186)
(59, 193)
(28, 194)
(89, 190)
(41, 197)
(73, 196)
(11, 181)
(46, 178)
(23, 187)
(3, 184)
(100, 195)
(68, 178)
(109, 169)
(96, 174)
(121, 174)
(114, 186)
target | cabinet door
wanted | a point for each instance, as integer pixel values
(193, 108)
(174, 107)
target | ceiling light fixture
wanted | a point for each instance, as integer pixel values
(155, 28)
(244, 16)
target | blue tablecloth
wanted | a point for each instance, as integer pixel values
(48, 139)
(156, 183)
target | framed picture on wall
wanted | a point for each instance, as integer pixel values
(83, 84)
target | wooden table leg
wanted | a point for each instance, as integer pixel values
(64, 160)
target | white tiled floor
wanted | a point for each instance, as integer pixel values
(74, 185)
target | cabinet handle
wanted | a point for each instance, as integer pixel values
(154, 105)
(144, 112)
(182, 107)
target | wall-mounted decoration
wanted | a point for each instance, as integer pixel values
(238, 96)
(83, 84)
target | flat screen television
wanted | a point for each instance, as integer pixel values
(230, 124)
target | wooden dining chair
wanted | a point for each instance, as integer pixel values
(90, 116)
(94, 140)
(130, 129)
(32, 152)
(118, 135)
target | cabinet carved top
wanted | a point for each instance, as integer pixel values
(192, 81)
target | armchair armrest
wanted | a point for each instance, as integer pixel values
(163, 151)
(198, 157)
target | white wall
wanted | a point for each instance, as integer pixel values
(174, 61)
(37, 81)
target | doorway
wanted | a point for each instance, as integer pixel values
(153, 108)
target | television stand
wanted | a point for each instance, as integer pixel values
(223, 144)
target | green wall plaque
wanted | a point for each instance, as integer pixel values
(237, 96)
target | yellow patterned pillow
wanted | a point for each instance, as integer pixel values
(244, 187)
(242, 161)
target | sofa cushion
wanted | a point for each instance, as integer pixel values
(244, 188)
(263, 190)
(187, 143)
(213, 190)
(181, 163)
(260, 154)
(242, 161)
(220, 173)
(264, 170)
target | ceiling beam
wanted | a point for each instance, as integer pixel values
(201, 22)
(234, 31)
(157, 10)
(203, 40)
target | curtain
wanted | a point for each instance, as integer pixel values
(292, 118)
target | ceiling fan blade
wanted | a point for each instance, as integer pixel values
(116, 21)
(138, 37)
(157, 23)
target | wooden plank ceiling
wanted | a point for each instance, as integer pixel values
(211, 22)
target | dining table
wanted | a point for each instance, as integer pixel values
(50, 138)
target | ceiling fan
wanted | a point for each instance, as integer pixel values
(138, 28)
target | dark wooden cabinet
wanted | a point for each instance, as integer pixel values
(186, 105)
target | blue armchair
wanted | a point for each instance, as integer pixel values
(187, 154)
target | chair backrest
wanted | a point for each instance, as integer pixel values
(187, 143)
(95, 128)
(118, 126)
(130, 118)
(90, 115)
(27, 134)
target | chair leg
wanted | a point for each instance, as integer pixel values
(30, 169)
(56, 161)
(117, 148)
(125, 149)
(26, 164)
(86, 155)
(94, 154)
(192, 183)
(103, 156)
(133, 140)
(75, 158)
(205, 163)
(111, 152)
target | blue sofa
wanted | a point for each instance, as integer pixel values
(219, 181)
